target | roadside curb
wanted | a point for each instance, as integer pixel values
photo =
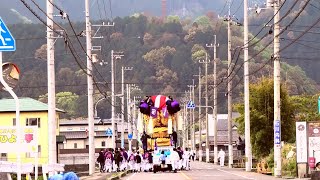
(118, 175)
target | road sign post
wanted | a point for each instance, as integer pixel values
(7, 43)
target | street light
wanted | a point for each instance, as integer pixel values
(95, 107)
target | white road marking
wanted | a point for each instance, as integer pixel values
(131, 176)
(234, 174)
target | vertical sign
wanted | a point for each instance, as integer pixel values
(319, 104)
(277, 133)
(314, 140)
(301, 142)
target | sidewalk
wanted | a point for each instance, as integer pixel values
(96, 176)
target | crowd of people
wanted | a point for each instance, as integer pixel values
(120, 159)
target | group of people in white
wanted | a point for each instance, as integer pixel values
(119, 160)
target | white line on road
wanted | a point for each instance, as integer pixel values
(234, 174)
(131, 176)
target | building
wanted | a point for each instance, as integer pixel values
(76, 147)
(222, 133)
(76, 133)
(32, 113)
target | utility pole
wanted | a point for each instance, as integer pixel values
(90, 92)
(193, 142)
(206, 62)
(199, 117)
(248, 151)
(122, 103)
(230, 149)
(277, 81)
(215, 100)
(114, 56)
(128, 115)
(51, 86)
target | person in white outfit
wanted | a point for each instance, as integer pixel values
(132, 161)
(221, 156)
(175, 160)
(186, 161)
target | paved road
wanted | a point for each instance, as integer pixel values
(201, 171)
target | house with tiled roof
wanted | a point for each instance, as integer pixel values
(32, 113)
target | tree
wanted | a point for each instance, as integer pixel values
(66, 101)
(261, 117)
(306, 107)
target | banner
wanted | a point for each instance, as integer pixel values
(8, 139)
(301, 142)
(314, 140)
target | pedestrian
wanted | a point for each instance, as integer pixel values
(118, 159)
(162, 159)
(109, 160)
(145, 161)
(144, 140)
(124, 159)
(150, 160)
(132, 161)
(138, 162)
(101, 160)
(180, 152)
(175, 160)
(186, 159)
(221, 156)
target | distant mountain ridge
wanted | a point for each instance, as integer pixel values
(101, 8)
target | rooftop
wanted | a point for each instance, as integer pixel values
(26, 105)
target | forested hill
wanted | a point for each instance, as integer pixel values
(15, 12)
(164, 55)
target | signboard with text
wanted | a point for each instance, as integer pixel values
(9, 141)
(301, 142)
(277, 133)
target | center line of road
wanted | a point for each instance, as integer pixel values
(184, 175)
(234, 174)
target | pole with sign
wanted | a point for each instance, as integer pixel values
(7, 43)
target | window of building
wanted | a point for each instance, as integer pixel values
(14, 122)
(82, 128)
(75, 145)
(3, 155)
(103, 143)
(69, 129)
(33, 122)
(87, 146)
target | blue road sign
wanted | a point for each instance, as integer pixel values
(191, 105)
(130, 136)
(319, 104)
(109, 132)
(277, 133)
(7, 42)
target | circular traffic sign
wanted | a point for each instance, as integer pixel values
(10, 74)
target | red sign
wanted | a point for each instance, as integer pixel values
(312, 162)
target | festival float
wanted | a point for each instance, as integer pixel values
(158, 118)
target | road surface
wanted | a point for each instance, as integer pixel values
(201, 171)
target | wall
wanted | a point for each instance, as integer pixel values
(7, 120)
(70, 144)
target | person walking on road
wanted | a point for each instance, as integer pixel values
(101, 160)
(109, 160)
(186, 160)
(221, 156)
(175, 160)
(118, 159)
(138, 162)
